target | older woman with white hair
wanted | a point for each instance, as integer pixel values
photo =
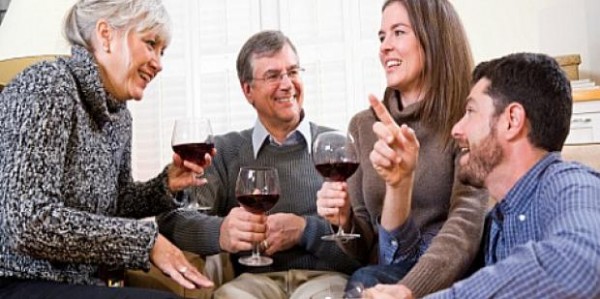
(69, 205)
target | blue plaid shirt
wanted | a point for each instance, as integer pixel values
(543, 239)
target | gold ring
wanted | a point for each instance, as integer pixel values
(265, 244)
(183, 269)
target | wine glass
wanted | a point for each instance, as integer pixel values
(257, 191)
(354, 291)
(192, 139)
(335, 157)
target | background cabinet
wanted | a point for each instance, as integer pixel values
(585, 122)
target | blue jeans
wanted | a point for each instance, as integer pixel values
(369, 276)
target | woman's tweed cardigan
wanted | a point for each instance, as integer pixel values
(65, 160)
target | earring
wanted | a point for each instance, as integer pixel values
(106, 49)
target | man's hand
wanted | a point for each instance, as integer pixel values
(284, 230)
(388, 291)
(171, 261)
(240, 229)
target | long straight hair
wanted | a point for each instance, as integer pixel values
(448, 62)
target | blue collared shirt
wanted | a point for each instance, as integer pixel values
(260, 134)
(544, 238)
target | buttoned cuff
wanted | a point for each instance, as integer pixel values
(399, 244)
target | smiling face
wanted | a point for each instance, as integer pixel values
(131, 63)
(278, 103)
(400, 53)
(477, 135)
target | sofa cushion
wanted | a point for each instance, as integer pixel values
(587, 154)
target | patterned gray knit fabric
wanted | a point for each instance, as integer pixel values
(299, 182)
(65, 148)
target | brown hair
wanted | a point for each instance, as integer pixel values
(537, 82)
(448, 62)
(264, 43)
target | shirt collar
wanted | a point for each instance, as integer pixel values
(260, 134)
(518, 198)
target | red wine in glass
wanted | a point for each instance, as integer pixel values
(194, 152)
(258, 203)
(337, 171)
(192, 139)
(335, 157)
(257, 191)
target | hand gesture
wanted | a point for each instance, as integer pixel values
(388, 291)
(395, 154)
(240, 229)
(333, 199)
(182, 174)
(284, 231)
(171, 261)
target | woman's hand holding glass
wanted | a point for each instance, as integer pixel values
(182, 174)
(333, 203)
(193, 147)
(336, 159)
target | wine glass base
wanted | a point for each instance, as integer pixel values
(340, 237)
(197, 207)
(255, 261)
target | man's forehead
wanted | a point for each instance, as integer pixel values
(479, 90)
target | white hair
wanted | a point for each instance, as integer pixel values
(123, 15)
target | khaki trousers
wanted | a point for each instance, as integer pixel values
(293, 284)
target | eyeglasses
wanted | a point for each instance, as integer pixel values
(275, 77)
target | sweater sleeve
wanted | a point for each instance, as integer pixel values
(192, 231)
(155, 194)
(36, 122)
(455, 246)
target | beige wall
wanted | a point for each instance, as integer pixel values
(555, 27)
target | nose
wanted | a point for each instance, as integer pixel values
(457, 130)
(385, 45)
(156, 63)
(285, 82)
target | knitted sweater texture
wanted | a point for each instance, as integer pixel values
(65, 181)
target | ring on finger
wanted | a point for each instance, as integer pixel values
(265, 244)
(183, 269)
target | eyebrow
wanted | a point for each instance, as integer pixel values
(394, 27)
(291, 67)
(470, 100)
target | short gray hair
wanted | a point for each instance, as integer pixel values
(264, 43)
(125, 15)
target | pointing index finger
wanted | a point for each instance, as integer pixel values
(380, 110)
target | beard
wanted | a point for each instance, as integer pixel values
(483, 158)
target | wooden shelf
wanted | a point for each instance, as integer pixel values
(586, 95)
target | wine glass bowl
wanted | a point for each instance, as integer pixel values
(192, 139)
(336, 159)
(257, 191)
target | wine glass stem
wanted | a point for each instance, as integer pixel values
(256, 251)
(340, 231)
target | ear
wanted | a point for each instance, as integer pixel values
(247, 89)
(104, 35)
(516, 121)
